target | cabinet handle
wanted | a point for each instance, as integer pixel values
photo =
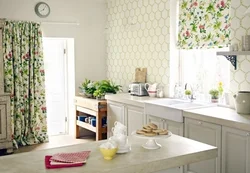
(248, 134)
(199, 123)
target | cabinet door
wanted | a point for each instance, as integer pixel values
(171, 170)
(206, 133)
(235, 151)
(156, 120)
(115, 112)
(3, 122)
(135, 116)
(175, 127)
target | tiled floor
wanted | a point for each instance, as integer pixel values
(54, 141)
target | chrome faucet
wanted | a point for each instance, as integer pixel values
(192, 92)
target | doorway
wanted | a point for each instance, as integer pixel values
(56, 80)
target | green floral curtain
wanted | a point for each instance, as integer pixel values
(204, 23)
(24, 79)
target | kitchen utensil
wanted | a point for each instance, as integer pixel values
(93, 122)
(159, 93)
(82, 118)
(140, 75)
(151, 87)
(121, 139)
(242, 102)
(152, 93)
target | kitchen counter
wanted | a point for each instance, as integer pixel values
(175, 151)
(129, 99)
(209, 113)
(220, 115)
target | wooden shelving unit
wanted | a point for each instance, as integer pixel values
(232, 56)
(94, 108)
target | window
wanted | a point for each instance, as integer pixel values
(200, 68)
(203, 70)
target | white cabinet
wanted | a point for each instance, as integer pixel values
(156, 120)
(1, 59)
(130, 116)
(206, 133)
(235, 151)
(175, 127)
(172, 170)
(115, 112)
(5, 119)
(135, 117)
(5, 123)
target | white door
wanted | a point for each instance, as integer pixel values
(235, 150)
(116, 112)
(135, 118)
(55, 83)
(207, 133)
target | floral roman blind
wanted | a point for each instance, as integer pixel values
(204, 23)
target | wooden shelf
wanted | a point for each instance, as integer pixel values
(90, 127)
(94, 108)
(232, 56)
(86, 126)
(234, 53)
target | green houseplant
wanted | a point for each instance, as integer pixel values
(98, 89)
(105, 86)
(214, 95)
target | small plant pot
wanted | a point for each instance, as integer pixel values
(214, 100)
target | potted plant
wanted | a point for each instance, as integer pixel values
(88, 88)
(188, 93)
(105, 86)
(214, 95)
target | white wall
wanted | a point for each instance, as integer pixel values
(240, 78)
(89, 37)
(138, 36)
(90, 48)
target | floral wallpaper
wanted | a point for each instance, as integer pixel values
(204, 23)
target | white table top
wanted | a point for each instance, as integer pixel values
(175, 151)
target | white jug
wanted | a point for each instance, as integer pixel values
(150, 87)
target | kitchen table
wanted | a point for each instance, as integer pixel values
(175, 151)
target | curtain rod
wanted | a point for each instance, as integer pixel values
(60, 23)
(47, 22)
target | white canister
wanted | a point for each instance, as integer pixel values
(242, 102)
(245, 43)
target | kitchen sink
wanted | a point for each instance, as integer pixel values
(167, 101)
(171, 109)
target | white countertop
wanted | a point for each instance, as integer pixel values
(129, 99)
(220, 115)
(175, 151)
(214, 114)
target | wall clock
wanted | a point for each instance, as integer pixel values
(42, 9)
